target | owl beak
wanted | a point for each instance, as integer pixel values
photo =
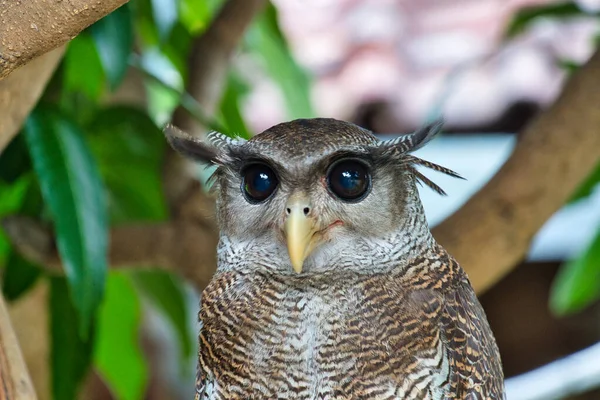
(300, 229)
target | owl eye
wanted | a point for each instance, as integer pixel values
(349, 180)
(259, 182)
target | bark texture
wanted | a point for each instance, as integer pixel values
(492, 232)
(14, 377)
(31, 323)
(20, 92)
(34, 27)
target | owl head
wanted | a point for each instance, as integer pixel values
(310, 193)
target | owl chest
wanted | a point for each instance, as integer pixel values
(304, 343)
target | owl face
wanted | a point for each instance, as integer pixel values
(310, 190)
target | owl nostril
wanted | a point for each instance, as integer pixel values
(288, 210)
(306, 210)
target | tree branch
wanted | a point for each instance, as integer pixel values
(208, 65)
(20, 92)
(492, 232)
(34, 27)
(16, 383)
(185, 247)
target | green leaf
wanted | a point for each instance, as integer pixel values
(577, 284)
(72, 189)
(588, 186)
(19, 276)
(195, 15)
(117, 355)
(165, 16)
(145, 28)
(166, 292)
(230, 108)
(177, 49)
(129, 149)
(12, 195)
(14, 160)
(525, 17)
(82, 68)
(163, 86)
(113, 36)
(70, 356)
(11, 198)
(268, 42)
(568, 65)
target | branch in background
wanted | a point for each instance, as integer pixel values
(20, 92)
(31, 324)
(492, 232)
(32, 28)
(16, 383)
(208, 68)
(184, 247)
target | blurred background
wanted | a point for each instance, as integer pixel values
(91, 156)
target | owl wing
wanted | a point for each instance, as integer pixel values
(204, 387)
(475, 367)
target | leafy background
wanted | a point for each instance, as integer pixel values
(87, 160)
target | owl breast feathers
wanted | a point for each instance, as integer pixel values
(329, 284)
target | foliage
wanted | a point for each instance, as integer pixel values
(71, 353)
(525, 17)
(74, 194)
(88, 159)
(578, 283)
(117, 354)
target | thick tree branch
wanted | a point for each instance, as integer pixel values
(20, 92)
(34, 27)
(184, 247)
(492, 232)
(16, 383)
(30, 318)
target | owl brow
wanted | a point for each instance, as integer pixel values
(361, 154)
(239, 157)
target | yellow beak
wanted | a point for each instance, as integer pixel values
(300, 230)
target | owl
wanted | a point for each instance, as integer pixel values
(329, 284)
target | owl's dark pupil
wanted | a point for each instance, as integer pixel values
(349, 179)
(259, 182)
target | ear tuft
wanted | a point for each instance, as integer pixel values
(409, 143)
(191, 147)
(221, 141)
(412, 161)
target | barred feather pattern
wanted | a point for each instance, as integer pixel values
(413, 332)
(220, 140)
(408, 143)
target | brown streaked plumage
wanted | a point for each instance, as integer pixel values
(329, 284)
